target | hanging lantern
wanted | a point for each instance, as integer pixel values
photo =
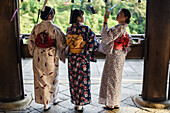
(22, 0)
(72, 1)
(39, 0)
(105, 1)
(92, 9)
(89, 0)
(139, 1)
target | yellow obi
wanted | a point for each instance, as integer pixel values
(76, 43)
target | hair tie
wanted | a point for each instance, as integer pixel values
(38, 15)
(48, 13)
(71, 16)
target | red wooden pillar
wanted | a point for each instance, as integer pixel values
(157, 48)
(11, 81)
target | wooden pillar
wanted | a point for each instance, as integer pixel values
(11, 81)
(157, 48)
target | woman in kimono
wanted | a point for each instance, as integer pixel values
(47, 45)
(116, 50)
(79, 58)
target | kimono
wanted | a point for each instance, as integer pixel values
(110, 88)
(79, 65)
(46, 62)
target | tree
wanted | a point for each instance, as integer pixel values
(29, 12)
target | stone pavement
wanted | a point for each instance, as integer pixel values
(131, 86)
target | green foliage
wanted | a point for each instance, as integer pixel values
(29, 13)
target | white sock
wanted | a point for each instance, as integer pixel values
(47, 106)
(79, 107)
(55, 101)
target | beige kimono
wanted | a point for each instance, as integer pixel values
(45, 62)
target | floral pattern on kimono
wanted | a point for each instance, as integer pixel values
(110, 88)
(46, 62)
(79, 65)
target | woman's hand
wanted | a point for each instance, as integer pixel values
(107, 13)
(45, 2)
(99, 40)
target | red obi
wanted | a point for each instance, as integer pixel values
(119, 43)
(44, 41)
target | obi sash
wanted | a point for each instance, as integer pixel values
(44, 41)
(75, 42)
(119, 43)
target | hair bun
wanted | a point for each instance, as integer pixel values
(128, 20)
(45, 13)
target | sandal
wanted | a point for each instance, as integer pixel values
(47, 109)
(116, 107)
(80, 110)
(55, 102)
(108, 108)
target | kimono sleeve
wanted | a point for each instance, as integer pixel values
(93, 41)
(61, 44)
(92, 45)
(127, 49)
(109, 35)
(130, 40)
(31, 42)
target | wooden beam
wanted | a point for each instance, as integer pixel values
(157, 47)
(11, 81)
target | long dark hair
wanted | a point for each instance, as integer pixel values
(48, 10)
(75, 14)
(127, 14)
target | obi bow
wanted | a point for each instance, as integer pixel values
(121, 43)
(124, 40)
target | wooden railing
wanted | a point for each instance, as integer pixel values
(137, 48)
